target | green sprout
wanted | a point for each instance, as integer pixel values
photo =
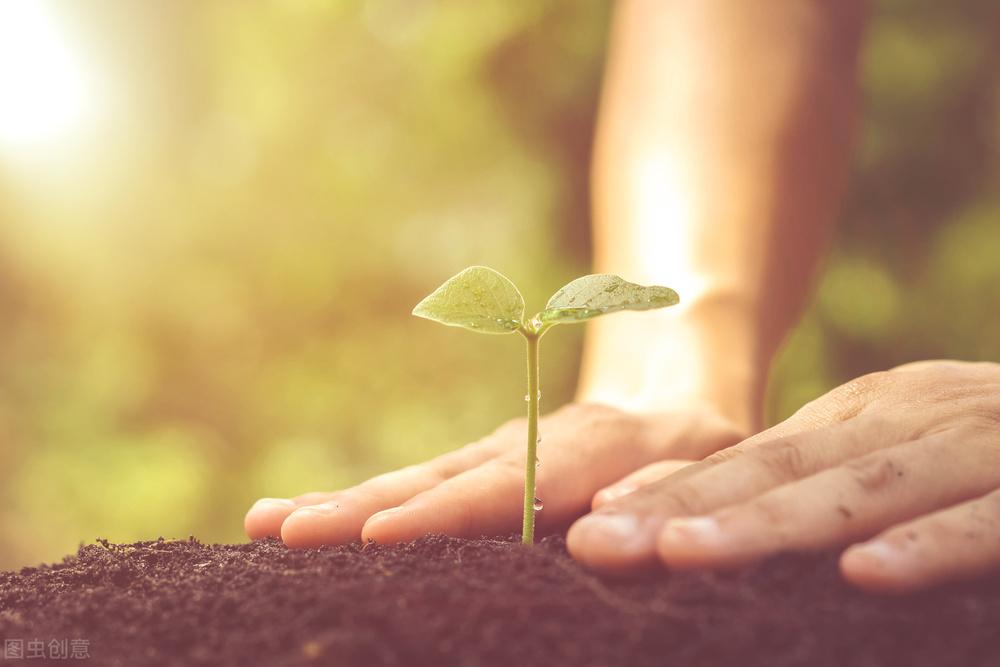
(485, 301)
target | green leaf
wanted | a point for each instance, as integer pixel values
(600, 294)
(479, 299)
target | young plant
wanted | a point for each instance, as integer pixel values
(485, 301)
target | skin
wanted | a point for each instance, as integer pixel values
(710, 111)
(903, 465)
(478, 489)
(689, 192)
(721, 152)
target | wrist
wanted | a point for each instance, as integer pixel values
(707, 352)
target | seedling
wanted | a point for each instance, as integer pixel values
(485, 301)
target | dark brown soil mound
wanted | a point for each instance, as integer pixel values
(443, 601)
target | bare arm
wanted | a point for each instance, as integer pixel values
(722, 149)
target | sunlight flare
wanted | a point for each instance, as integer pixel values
(47, 93)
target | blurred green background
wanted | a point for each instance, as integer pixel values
(209, 248)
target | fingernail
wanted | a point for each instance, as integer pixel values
(385, 513)
(283, 503)
(614, 540)
(323, 509)
(878, 553)
(701, 530)
(616, 527)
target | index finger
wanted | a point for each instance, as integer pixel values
(336, 517)
(623, 533)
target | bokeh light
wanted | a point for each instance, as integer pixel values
(47, 90)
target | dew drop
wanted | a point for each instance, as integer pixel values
(527, 398)
(538, 462)
(538, 504)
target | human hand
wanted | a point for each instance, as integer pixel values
(479, 488)
(903, 464)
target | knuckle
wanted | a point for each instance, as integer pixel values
(874, 473)
(861, 389)
(867, 383)
(687, 500)
(441, 469)
(986, 416)
(509, 466)
(724, 455)
(772, 511)
(846, 401)
(784, 458)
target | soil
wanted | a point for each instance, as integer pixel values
(444, 601)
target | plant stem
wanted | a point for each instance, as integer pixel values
(528, 530)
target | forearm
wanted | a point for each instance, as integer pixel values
(722, 149)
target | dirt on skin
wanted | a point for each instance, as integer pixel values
(443, 601)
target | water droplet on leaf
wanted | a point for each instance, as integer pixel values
(538, 504)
